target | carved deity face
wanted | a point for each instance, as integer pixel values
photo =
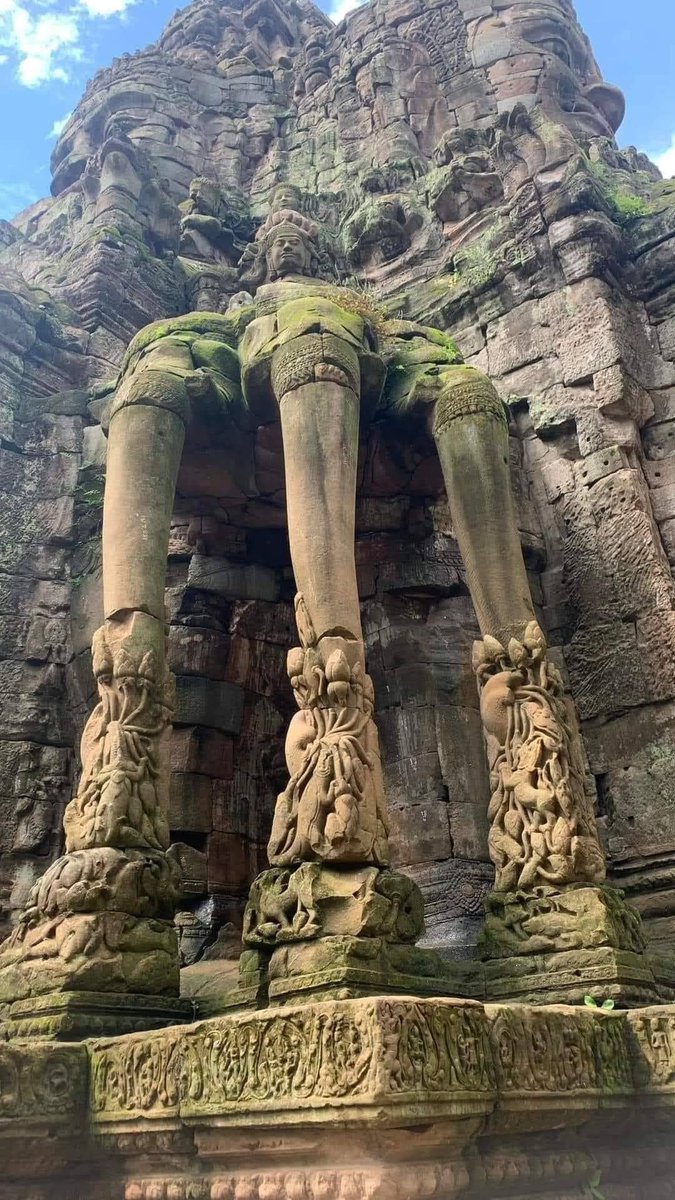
(550, 59)
(288, 254)
(285, 196)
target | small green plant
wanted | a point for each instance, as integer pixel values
(362, 300)
(616, 186)
(91, 497)
(607, 1004)
(629, 207)
(479, 264)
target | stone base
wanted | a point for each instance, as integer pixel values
(109, 952)
(343, 968)
(70, 1016)
(558, 947)
(390, 1098)
(571, 976)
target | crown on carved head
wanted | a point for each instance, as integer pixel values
(285, 220)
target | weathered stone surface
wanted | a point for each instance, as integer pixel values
(458, 207)
(208, 702)
(402, 1097)
(234, 581)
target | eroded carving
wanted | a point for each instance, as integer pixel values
(542, 825)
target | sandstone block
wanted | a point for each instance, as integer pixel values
(233, 580)
(211, 702)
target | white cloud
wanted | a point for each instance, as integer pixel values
(665, 161)
(42, 46)
(59, 126)
(106, 8)
(343, 7)
(41, 43)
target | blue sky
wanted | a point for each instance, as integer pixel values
(49, 48)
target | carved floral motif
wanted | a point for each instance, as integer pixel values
(542, 827)
(332, 808)
(120, 801)
(537, 1050)
(39, 1080)
(100, 916)
(332, 1051)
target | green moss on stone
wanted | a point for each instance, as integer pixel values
(195, 322)
(627, 195)
(478, 264)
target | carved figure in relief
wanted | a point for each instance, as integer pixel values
(305, 354)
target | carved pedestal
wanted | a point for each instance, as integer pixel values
(558, 946)
(95, 949)
(554, 931)
(330, 918)
(337, 932)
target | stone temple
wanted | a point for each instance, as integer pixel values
(337, 625)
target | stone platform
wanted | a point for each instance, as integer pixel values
(391, 1098)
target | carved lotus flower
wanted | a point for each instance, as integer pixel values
(101, 656)
(534, 641)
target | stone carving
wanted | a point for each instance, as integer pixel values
(100, 916)
(278, 1078)
(380, 230)
(310, 354)
(528, 237)
(42, 1082)
(654, 1036)
(469, 182)
(332, 808)
(542, 826)
(334, 1051)
(558, 1054)
(313, 901)
(544, 920)
(502, 122)
(119, 801)
(376, 1048)
(212, 228)
(39, 786)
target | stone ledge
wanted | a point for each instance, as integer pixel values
(71, 1015)
(394, 1055)
(398, 1097)
(385, 1054)
(368, 1055)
